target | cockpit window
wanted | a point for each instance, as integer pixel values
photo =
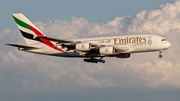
(163, 40)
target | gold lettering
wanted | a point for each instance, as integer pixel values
(116, 41)
(123, 41)
(140, 40)
(128, 40)
(137, 39)
(143, 40)
(133, 40)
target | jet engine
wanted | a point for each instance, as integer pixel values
(108, 50)
(83, 46)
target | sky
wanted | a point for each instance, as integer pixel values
(93, 10)
(32, 77)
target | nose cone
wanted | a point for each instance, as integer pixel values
(168, 44)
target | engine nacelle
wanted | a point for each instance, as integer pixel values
(126, 55)
(107, 50)
(83, 46)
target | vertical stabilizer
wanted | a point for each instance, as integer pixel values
(27, 28)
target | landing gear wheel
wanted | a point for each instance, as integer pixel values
(95, 61)
(85, 60)
(160, 56)
(102, 61)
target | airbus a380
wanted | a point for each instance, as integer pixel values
(91, 49)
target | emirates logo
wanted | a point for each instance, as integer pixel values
(106, 50)
(83, 46)
(149, 41)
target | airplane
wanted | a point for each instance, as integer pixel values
(93, 50)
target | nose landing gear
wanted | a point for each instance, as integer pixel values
(160, 54)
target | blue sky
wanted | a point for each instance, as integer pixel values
(92, 10)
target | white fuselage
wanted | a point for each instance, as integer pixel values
(133, 44)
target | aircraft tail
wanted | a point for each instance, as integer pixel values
(32, 35)
(29, 31)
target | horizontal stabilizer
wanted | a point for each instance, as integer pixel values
(23, 46)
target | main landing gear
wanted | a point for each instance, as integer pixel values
(93, 60)
(160, 54)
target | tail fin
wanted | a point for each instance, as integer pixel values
(32, 35)
(29, 31)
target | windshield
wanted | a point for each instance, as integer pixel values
(163, 40)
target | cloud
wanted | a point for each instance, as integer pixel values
(20, 71)
(161, 20)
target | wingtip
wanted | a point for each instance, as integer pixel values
(8, 44)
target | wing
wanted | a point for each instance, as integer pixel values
(110, 50)
(69, 44)
(123, 49)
